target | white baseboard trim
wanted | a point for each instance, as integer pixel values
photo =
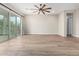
(75, 36)
(41, 34)
(62, 35)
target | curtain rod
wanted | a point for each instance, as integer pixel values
(10, 9)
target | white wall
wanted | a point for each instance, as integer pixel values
(61, 24)
(51, 24)
(76, 23)
(41, 24)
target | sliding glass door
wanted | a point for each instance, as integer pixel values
(14, 26)
(4, 25)
(10, 25)
(18, 26)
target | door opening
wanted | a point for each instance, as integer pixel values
(69, 24)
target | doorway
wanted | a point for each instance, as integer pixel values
(69, 24)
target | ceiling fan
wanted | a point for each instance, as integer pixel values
(42, 8)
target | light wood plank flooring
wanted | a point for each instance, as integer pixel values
(40, 45)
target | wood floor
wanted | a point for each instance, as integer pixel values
(40, 45)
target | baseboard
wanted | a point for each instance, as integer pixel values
(62, 35)
(40, 34)
(75, 36)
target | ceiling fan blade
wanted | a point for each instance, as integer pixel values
(43, 12)
(48, 8)
(47, 11)
(39, 12)
(40, 4)
(43, 6)
(36, 6)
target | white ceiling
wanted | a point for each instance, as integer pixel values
(56, 7)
